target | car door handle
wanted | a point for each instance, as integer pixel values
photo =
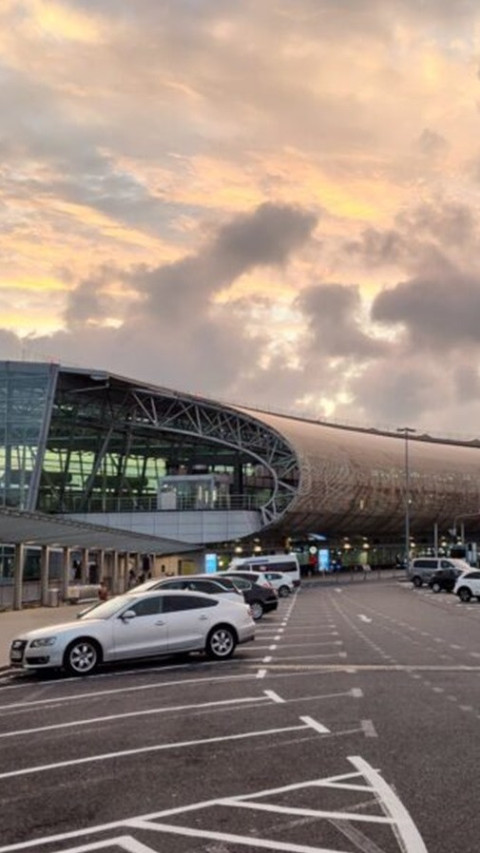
(202, 618)
(160, 622)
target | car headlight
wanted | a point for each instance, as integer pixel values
(43, 641)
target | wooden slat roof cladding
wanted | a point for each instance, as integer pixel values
(352, 481)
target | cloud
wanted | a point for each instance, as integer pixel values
(449, 224)
(425, 239)
(266, 237)
(85, 303)
(333, 314)
(437, 314)
(432, 144)
(172, 320)
(400, 389)
(269, 202)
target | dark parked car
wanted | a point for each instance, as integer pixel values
(444, 579)
(262, 599)
(195, 583)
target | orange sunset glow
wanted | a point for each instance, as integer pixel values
(275, 203)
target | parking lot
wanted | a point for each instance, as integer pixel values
(350, 724)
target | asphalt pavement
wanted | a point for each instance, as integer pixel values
(349, 724)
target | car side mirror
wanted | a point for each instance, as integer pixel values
(129, 614)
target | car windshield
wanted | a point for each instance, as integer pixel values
(106, 609)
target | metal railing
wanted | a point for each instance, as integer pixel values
(151, 503)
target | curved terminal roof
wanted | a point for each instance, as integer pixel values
(353, 480)
(319, 477)
(347, 481)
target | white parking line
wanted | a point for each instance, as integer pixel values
(273, 696)
(121, 842)
(316, 657)
(319, 813)
(368, 728)
(363, 779)
(163, 710)
(412, 840)
(94, 694)
(319, 727)
(159, 747)
(286, 645)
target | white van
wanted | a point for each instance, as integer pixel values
(286, 563)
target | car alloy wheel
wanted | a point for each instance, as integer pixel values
(417, 581)
(221, 643)
(436, 587)
(283, 591)
(82, 657)
(257, 610)
(464, 594)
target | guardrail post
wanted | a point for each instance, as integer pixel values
(44, 574)
(18, 576)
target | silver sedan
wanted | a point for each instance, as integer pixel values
(137, 626)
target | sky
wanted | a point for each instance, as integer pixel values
(271, 203)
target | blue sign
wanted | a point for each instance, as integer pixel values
(211, 563)
(324, 560)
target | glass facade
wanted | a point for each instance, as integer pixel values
(104, 455)
(25, 398)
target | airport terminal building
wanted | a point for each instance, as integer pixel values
(92, 448)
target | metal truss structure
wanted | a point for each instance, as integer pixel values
(220, 425)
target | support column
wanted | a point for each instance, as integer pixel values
(115, 573)
(18, 576)
(44, 574)
(124, 572)
(84, 567)
(101, 565)
(65, 579)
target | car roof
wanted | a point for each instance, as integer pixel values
(188, 592)
(208, 576)
(159, 581)
(245, 573)
(143, 587)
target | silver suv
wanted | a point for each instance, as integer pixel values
(421, 569)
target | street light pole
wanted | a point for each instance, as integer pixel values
(406, 431)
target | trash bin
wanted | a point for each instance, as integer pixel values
(52, 600)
